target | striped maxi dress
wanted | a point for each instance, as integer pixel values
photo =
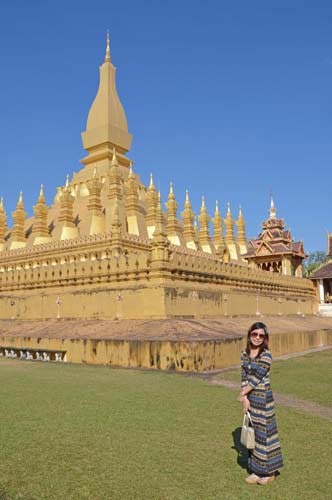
(266, 458)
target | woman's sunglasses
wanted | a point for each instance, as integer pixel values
(257, 335)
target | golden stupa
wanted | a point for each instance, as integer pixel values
(105, 249)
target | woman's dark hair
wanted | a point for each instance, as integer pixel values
(265, 343)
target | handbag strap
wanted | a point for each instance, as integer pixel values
(247, 416)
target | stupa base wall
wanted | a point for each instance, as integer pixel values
(188, 355)
(149, 301)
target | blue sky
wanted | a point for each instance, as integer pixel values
(228, 99)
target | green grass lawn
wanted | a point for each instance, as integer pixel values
(83, 432)
(306, 377)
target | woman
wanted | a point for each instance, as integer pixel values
(256, 395)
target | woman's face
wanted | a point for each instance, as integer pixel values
(257, 337)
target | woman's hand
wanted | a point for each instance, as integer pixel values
(245, 404)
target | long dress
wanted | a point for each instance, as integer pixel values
(266, 458)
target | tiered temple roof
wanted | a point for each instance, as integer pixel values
(274, 243)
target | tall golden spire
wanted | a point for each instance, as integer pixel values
(204, 236)
(3, 223)
(116, 221)
(188, 220)
(94, 186)
(95, 221)
(115, 181)
(151, 204)
(18, 232)
(66, 228)
(106, 126)
(218, 239)
(229, 223)
(40, 233)
(241, 229)
(132, 193)
(172, 220)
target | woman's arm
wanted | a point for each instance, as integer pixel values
(262, 370)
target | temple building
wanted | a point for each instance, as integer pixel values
(105, 249)
(274, 250)
(322, 278)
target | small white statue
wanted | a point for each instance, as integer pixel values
(23, 355)
(58, 356)
(13, 354)
(38, 356)
(29, 355)
(46, 357)
(7, 353)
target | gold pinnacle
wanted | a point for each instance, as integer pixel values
(108, 49)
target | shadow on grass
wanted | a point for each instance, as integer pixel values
(242, 452)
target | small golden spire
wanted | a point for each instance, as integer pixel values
(187, 196)
(114, 158)
(1, 202)
(171, 188)
(131, 173)
(108, 49)
(94, 172)
(67, 181)
(151, 181)
(41, 197)
(203, 203)
(228, 207)
(217, 212)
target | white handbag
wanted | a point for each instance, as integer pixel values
(247, 432)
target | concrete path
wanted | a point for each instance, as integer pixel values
(281, 399)
(284, 400)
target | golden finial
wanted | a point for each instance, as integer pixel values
(1, 202)
(108, 49)
(131, 174)
(240, 211)
(273, 211)
(151, 181)
(228, 208)
(41, 194)
(203, 203)
(171, 188)
(159, 196)
(187, 196)
(94, 172)
(217, 207)
(67, 181)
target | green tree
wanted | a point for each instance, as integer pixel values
(313, 261)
